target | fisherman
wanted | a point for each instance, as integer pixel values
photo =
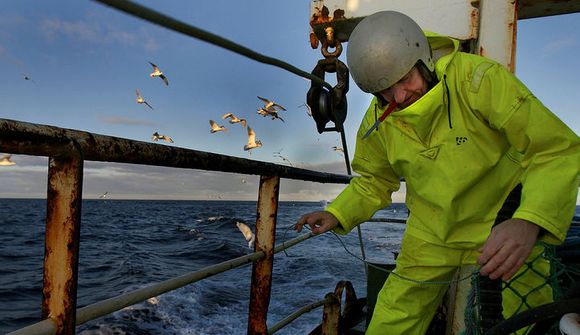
(463, 133)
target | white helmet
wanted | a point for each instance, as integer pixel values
(383, 48)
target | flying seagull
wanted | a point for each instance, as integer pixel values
(5, 160)
(269, 111)
(308, 109)
(284, 159)
(156, 137)
(28, 78)
(271, 104)
(140, 99)
(252, 143)
(104, 195)
(157, 73)
(247, 232)
(215, 127)
(234, 119)
(336, 148)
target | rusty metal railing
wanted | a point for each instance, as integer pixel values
(67, 150)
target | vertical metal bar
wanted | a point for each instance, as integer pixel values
(497, 31)
(262, 269)
(348, 171)
(331, 315)
(61, 250)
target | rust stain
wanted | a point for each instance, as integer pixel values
(320, 16)
(314, 42)
(474, 22)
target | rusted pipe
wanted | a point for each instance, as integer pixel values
(41, 140)
(262, 269)
(331, 315)
(61, 251)
(305, 309)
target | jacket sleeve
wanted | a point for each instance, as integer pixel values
(372, 189)
(550, 151)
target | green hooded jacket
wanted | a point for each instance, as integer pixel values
(461, 148)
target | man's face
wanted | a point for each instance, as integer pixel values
(407, 90)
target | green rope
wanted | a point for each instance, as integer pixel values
(189, 30)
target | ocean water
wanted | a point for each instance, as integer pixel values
(129, 244)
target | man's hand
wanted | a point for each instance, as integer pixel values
(507, 248)
(320, 222)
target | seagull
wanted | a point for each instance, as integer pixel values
(247, 232)
(262, 111)
(269, 111)
(104, 195)
(157, 73)
(284, 159)
(335, 148)
(28, 78)
(252, 143)
(234, 119)
(308, 109)
(156, 137)
(5, 161)
(215, 127)
(140, 99)
(271, 104)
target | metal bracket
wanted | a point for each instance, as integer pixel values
(329, 105)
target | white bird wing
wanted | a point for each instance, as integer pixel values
(213, 125)
(264, 100)
(227, 115)
(139, 97)
(278, 106)
(251, 137)
(155, 68)
(247, 232)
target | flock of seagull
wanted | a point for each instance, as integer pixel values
(157, 73)
(270, 108)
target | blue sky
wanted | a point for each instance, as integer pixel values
(86, 60)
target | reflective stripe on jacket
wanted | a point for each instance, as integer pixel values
(461, 148)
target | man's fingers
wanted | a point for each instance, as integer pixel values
(505, 265)
(300, 223)
(514, 269)
(491, 263)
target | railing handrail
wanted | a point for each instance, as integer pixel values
(67, 150)
(107, 306)
(20, 137)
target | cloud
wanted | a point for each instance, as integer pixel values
(119, 120)
(559, 45)
(28, 179)
(96, 31)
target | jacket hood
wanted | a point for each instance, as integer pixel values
(444, 49)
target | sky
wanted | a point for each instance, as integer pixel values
(85, 60)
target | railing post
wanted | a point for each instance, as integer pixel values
(262, 269)
(331, 315)
(61, 249)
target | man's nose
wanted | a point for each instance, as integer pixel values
(399, 94)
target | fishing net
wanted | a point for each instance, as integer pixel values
(549, 274)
